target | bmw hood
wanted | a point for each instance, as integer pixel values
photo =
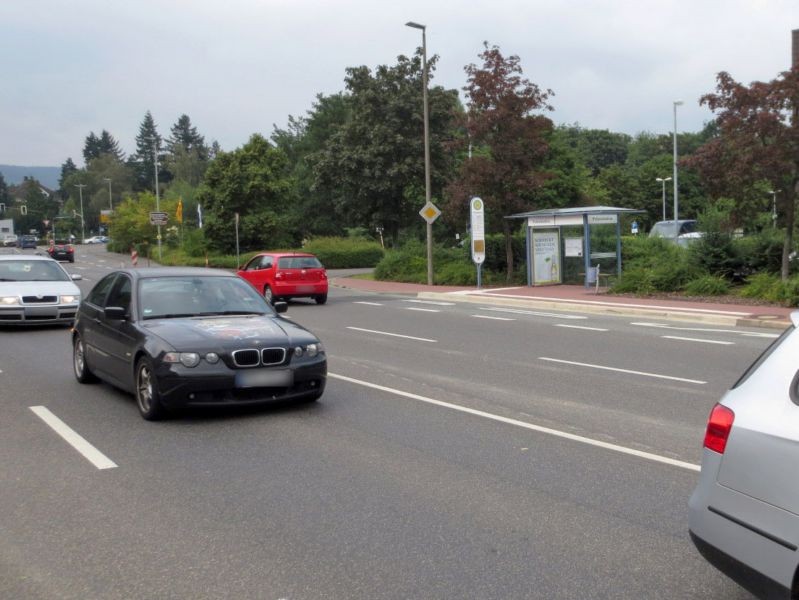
(198, 333)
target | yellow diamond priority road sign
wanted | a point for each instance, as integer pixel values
(430, 212)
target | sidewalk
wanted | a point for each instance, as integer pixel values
(577, 298)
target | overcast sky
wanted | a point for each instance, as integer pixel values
(238, 67)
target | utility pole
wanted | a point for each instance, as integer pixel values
(157, 193)
(80, 187)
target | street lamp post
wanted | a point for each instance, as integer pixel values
(157, 193)
(774, 207)
(663, 185)
(676, 103)
(110, 198)
(426, 148)
(80, 187)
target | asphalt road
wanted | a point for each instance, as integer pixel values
(460, 451)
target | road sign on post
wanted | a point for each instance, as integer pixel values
(159, 218)
(476, 213)
(430, 212)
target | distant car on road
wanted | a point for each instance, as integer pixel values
(10, 240)
(62, 250)
(36, 290)
(281, 275)
(186, 336)
(744, 512)
(682, 232)
(97, 239)
(26, 241)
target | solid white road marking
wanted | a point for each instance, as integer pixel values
(493, 318)
(368, 303)
(407, 337)
(706, 330)
(432, 310)
(518, 311)
(531, 426)
(89, 452)
(604, 368)
(580, 327)
(687, 339)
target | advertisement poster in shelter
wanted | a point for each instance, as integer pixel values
(546, 257)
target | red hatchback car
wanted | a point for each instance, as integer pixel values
(279, 275)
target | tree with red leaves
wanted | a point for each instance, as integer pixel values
(509, 142)
(757, 141)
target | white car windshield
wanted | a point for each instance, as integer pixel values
(31, 270)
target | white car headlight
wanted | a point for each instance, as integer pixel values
(8, 300)
(70, 299)
(187, 359)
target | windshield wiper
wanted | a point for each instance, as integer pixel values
(170, 316)
(220, 313)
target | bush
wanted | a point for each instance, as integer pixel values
(707, 285)
(634, 280)
(759, 285)
(654, 265)
(345, 253)
(451, 267)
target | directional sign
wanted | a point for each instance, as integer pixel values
(159, 218)
(430, 212)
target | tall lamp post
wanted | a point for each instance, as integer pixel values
(157, 193)
(80, 187)
(426, 149)
(774, 206)
(663, 185)
(110, 198)
(676, 103)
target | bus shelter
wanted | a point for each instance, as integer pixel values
(547, 247)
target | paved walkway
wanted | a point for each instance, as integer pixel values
(577, 298)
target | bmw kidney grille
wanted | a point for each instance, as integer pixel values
(254, 358)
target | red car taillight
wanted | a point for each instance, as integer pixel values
(719, 425)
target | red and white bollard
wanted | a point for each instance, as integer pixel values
(134, 257)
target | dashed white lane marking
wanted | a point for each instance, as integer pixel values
(604, 368)
(687, 339)
(407, 337)
(580, 327)
(518, 311)
(525, 425)
(432, 310)
(74, 439)
(431, 302)
(368, 303)
(493, 318)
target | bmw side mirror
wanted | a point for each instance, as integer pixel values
(116, 313)
(77, 277)
(280, 307)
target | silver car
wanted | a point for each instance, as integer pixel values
(744, 512)
(36, 290)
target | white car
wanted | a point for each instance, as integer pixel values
(744, 513)
(36, 290)
(97, 239)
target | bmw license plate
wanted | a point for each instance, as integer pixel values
(264, 378)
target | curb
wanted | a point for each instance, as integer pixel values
(673, 314)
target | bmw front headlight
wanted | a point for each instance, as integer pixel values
(187, 359)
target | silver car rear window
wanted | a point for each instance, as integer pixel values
(763, 356)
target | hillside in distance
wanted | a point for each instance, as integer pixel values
(47, 176)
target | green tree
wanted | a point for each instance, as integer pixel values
(148, 148)
(301, 141)
(757, 141)
(372, 166)
(513, 142)
(94, 147)
(252, 182)
(595, 148)
(67, 169)
(187, 154)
